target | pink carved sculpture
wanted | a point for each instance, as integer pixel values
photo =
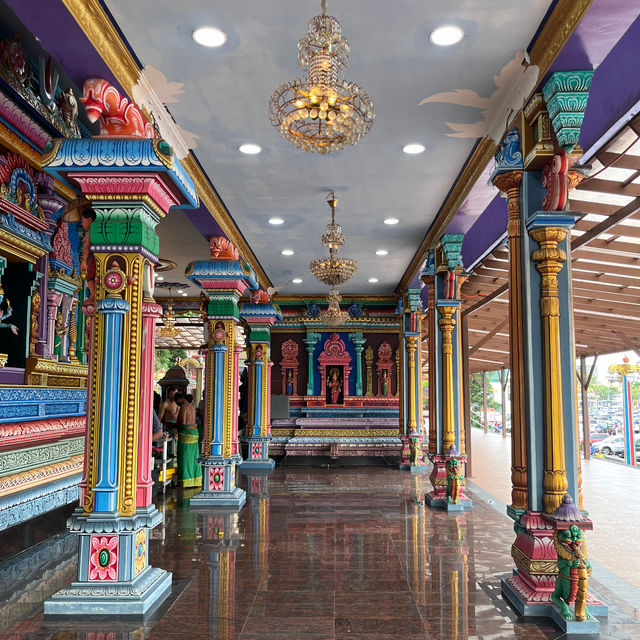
(334, 353)
(60, 244)
(222, 248)
(289, 367)
(116, 115)
(555, 180)
(385, 369)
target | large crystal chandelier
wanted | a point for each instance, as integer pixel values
(321, 112)
(332, 270)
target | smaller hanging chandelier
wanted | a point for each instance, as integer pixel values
(321, 113)
(333, 271)
(169, 328)
(333, 316)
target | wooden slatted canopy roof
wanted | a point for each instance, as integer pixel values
(605, 263)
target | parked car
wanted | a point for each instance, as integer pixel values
(609, 445)
(619, 451)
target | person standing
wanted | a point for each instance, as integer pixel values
(189, 471)
(168, 413)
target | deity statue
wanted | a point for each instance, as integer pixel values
(385, 383)
(414, 449)
(290, 382)
(334, 385)
(454, 481)
(6, 313)
(59, 335)
(574, 570)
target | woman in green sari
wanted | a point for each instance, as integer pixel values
(189, 471)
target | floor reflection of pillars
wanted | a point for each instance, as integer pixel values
(259, 496)
(220, 536)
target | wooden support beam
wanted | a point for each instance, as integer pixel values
(488, 337)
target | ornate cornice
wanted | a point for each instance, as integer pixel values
(107, 41)
(15, 144)
(552, 37)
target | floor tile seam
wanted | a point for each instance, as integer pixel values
(608, 578)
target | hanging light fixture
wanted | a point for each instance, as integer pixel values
(321, 112)
(169, 328)
(333, 315)
(332, 270)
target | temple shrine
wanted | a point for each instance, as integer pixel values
(208, 411)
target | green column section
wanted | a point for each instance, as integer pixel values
(358, 341)
(311, 340)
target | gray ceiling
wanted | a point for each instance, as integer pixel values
(225, 103)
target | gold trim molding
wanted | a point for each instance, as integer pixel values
(51, 373)
(101, 32)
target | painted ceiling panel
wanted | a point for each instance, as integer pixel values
(224, 101)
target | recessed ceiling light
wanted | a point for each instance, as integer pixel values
(297, 281)
(446, 35)
(250, 149)
(209, 36)
(159, 278)
(275, 221)
(287, 252)
(414, 148)
(381, 252)
(391, 220)
(180, 291)
(185, 294)
(373, 280)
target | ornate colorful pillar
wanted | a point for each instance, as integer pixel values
(223, 279)
(310, 341)
(132, 184)
(447, 452)
(368, 357)
(151, 311)
(260, 314)
(410, 383)
(357, 340)
(546, 472)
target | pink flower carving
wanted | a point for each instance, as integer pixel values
(103, 558)
(216, 478)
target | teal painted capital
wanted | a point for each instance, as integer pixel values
(413, 300)
(451, 246)
(566, 94)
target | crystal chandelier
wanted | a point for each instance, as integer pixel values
(320, 112)
(333, 271)
(333, 316)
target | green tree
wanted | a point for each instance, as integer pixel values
(166, 358)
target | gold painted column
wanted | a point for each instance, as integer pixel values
(509, 184)
(549, 259)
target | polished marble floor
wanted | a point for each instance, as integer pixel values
(316, 553)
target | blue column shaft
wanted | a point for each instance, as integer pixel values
(218, 398)
(258, 427)
(106, 488)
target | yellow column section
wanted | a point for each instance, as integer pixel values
(447, 323)
(229, 381)
(411, 343)
(549, 260)
(130, 389)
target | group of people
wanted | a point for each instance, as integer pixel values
(176, 417)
